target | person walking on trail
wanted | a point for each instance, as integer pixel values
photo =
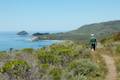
(93, 42)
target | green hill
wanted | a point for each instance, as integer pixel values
(101, 30)
(113, 38)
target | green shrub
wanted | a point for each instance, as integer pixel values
(3, 52)
(65, 51)
(83, 67)
(78, 77)
(15, 68)
(48, 58)
(116, 37)
(28, 50)
(43, 69)
(112, 38)
(118, 49)
(56, 73)
(44, 66)
(3, 55)
(85, 53)
(60, 49)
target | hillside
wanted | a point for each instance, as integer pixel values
(114, 38)
(68, 60)
(101, 30)
(63, 61)
(98, 28)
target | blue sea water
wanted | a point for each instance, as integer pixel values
(11, 40)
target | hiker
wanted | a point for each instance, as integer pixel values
(93, 42)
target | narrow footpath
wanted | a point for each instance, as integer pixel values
(110, 64)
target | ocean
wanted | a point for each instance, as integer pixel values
(11, 40)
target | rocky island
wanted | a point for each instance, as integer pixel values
(39, 34)
(22, 33)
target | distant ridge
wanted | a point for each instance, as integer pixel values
(101, 30)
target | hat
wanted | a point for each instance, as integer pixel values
(92, 34)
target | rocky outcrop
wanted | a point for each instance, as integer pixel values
(22, 33)
(39, 34)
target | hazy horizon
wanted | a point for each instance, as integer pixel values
(52, 15)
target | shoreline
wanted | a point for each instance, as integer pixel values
(35, 48)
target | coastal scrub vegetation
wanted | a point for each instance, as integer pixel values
(61, 61)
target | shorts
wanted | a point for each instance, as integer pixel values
(93, 46)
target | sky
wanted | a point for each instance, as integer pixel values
(55, 15)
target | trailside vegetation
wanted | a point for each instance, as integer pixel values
(62, 61)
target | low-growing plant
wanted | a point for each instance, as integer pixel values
(28, 50)
(56, 73)
(118, 49)
(83, 67)
(48, 58)
(78, 77)
(4, 55)
(16, 68)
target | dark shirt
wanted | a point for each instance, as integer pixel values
(93, 41)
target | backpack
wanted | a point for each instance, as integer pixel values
(93, 40)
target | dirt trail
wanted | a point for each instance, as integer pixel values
(112, 72)
(110, 64)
